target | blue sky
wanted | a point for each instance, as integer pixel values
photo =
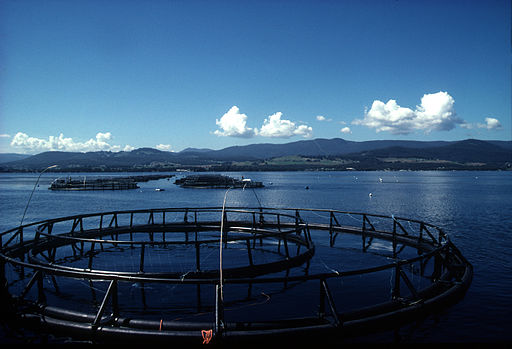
(118, 75)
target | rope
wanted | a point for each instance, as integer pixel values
(32, 193)
(256, 196)
(259, 202)
(220, 244)
(221, 235)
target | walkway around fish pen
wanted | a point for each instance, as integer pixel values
(227, 275)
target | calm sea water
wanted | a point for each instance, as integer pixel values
(473, 208)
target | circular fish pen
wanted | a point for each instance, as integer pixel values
(226, 275)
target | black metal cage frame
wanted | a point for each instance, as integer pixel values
(34, 249)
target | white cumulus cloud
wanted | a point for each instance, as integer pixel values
(29, 144)
(234, 124)
(346, 130)
(435, 113)
(274, 126)
(323, 118)
(164, 147)
(491, 124)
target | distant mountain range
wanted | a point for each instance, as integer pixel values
(8, 157)
(331, 154)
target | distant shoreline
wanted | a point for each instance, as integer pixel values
(221, 169)
(313, 155)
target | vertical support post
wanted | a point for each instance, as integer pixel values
(198, 259)
(308, 233)
(321, 308)
(131, 226)
(38, 233)
(198, 294)
(41, 298)
(219, 311)
(52, 254)
(55, 285)
(396, 288)
(285, 241)
(394, 237)
(141, 266)
(91, 255)
(279, 229)
(363, 230)
(438, 264)
(3, 280)
(331, 242)
(249, 253)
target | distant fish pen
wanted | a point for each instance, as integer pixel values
(226, 275)
(102, 183)
(212, 181)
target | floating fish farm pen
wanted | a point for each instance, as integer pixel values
(94, 184)
(216, 181)
(226, 275)
(102, 183)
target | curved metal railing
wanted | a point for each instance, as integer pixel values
(42, 249)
